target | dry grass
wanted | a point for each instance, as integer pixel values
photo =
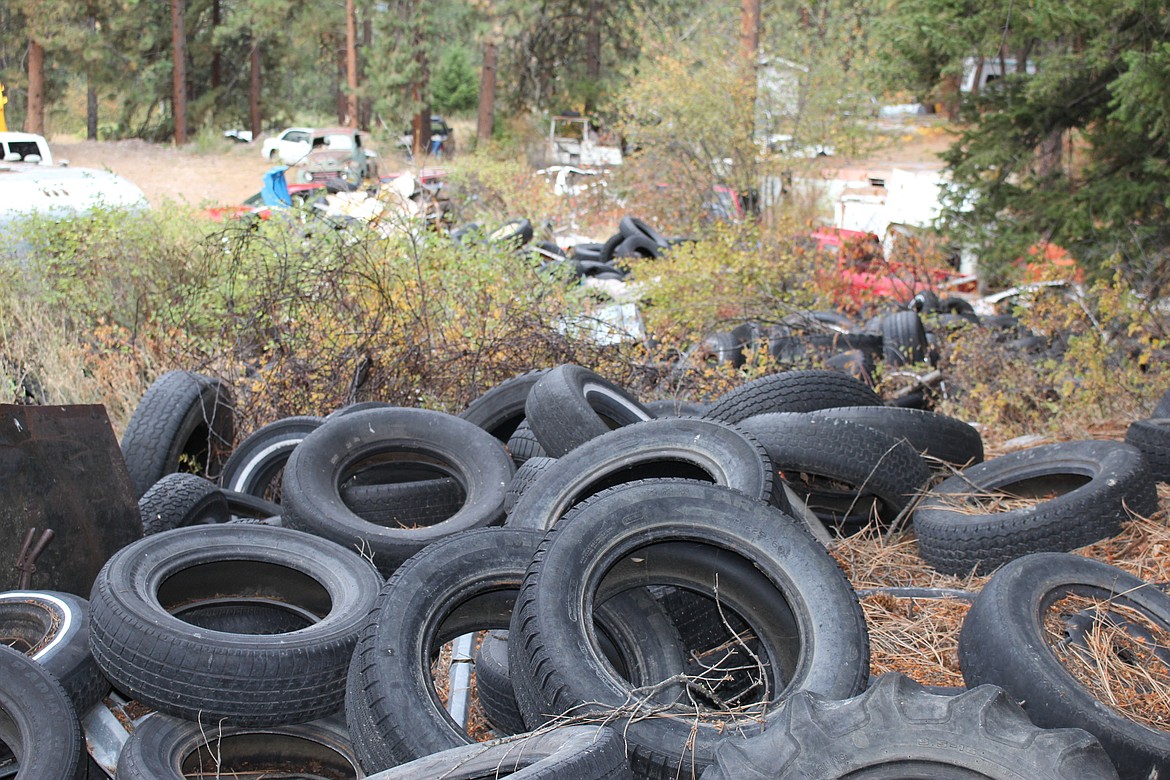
(1117, 667)
(917, 637)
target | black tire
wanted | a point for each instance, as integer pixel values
(1152, 437)
(764, 566)
(936, 436)
(636, 246)
(848, 474)
(255, 464)
(566, 753)
(1162, 408)
(1003, 642)
(570, 405)
(360, 406)
(903, 338)
(722, 348)
(515, 232)
(791, 391)
(423, 502)
(166, 748)
(924, 302)
(52, 628)
(500, 410)
(682, 447)
(588, 250)
(246, 507)
(464, 584)
(184, 421)
(244, 679)
(523, 479)
(898, 729)
(605, 253)
(523, 446)
(329, 455)
(493, 683)
(1097, 483)
(632, 227)
(37, 721)
(179, 500)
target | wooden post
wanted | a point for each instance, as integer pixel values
(351, 69)
(487, 93)
(34, 121)
(179, 80)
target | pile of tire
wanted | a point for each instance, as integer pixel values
(645, 589)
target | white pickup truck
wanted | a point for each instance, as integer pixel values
(31, 184)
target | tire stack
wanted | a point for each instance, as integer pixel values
(642, 594)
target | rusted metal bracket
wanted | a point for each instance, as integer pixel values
(26, 559)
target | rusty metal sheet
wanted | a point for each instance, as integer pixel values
(61, 468)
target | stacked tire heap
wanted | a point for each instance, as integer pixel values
(668, 610)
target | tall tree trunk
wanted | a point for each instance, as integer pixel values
(1048, 154)
(351, 70)
(179, 80)
(91, 101)
(366, 105)
(592, 51)
(254, 87)
(216, 59)
(487, 93)
(34, 121)
(749, 33)
(420, 95)
(340, 94)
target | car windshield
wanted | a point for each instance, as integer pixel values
(334, 142)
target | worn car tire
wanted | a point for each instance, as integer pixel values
(184, 420)
(566, 753)
(1152, 437)
(461, 585)
(701, 537)
(632, 227)
(791, 391)
(493, 682)
(903, 338)
(936, 436)
(1096, 484)
(52, 628)
(166, 748)
(500, 410)
(168, 663)
(37, 721)
(570, 405)
(838, 467)
(178, 500)
(898, 729)
(329, 455)
(683, 447)
(523, 446)
(1003, 643)
(523, 479)
(256, 462)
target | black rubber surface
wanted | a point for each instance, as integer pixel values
(898, 729)
(570, 405)
(1076, 492)
(178, 500)
(37, 721)
(791, 391)
(935, 435)
(1152, 437)
(257, 461)
(499, 410)
(184, 420)
(903, 338)
(1004, 642)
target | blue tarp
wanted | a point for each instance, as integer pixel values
(274, 193)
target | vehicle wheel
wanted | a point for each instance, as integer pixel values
(462, 585)
(183, 422)
(166, 748)
(570, 405)
(898, 729)
(1152, 437)
(848, 474)
(523, 479)
(683, 447)
(147, 649)
(791, 391)
(328, 456)
(1023, 621)
(52, 628)
(632, 227)
(577, 752)
(809, 630)
(500, 410)
(493, 683)
(255, 465)
(179, 500)
(903, 338)
(936, 436)
(962, 524)
(523, 445)
(37, 721)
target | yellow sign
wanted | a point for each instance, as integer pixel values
(3, 100)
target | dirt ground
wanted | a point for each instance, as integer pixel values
(229, 173)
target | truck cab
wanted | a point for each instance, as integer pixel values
(25, 147)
